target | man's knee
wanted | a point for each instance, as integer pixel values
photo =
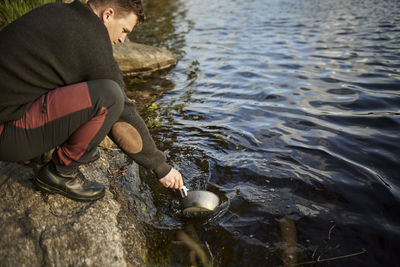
(107, 92)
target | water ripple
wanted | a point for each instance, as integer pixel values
(291, 110)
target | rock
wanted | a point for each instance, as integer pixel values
(134, 58)
(107, 143)
(39, 229)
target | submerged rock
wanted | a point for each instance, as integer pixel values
(48, 229)
(134, 58)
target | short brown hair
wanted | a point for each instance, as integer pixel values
(122, 7)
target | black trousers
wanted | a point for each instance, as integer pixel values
(73, 119)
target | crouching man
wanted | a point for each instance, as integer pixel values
(60, 87)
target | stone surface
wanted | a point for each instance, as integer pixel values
(39, 229)
(134, 58)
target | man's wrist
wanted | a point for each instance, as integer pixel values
(162, 170)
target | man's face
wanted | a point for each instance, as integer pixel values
(118, 27)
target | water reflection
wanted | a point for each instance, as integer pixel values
(289, 236)
(165, 26)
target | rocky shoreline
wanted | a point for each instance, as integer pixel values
(48, 229)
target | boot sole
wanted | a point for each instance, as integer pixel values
(50, 189)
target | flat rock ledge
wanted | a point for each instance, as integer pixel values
(39, 229)
(138, 59)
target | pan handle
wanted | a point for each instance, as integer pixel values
(183, 191)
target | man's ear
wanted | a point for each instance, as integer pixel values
(107, 14)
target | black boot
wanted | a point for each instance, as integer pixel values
(50, 181)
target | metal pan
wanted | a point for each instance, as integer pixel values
(198, 203)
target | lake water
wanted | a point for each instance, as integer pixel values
(290, 112)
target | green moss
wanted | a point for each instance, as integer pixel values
(10, 10)
(136, 80)
(153, 107)
(153, 123)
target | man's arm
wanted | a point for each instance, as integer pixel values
(131, 134)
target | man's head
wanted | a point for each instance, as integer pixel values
(119, 16)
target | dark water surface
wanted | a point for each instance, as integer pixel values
(290, 112)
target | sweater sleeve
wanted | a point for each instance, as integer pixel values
(149, 157)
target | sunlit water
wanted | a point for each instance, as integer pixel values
(290, 112)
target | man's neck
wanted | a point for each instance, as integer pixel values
(94, 10)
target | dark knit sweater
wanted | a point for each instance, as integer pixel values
(57, 45)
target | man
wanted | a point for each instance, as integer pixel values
(60, 87)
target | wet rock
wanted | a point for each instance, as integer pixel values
(48, 229)
(134, 58)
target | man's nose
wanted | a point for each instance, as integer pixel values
(123, 38)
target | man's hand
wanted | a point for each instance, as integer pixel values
(172, 180)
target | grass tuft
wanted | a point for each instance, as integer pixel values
(10, 10)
